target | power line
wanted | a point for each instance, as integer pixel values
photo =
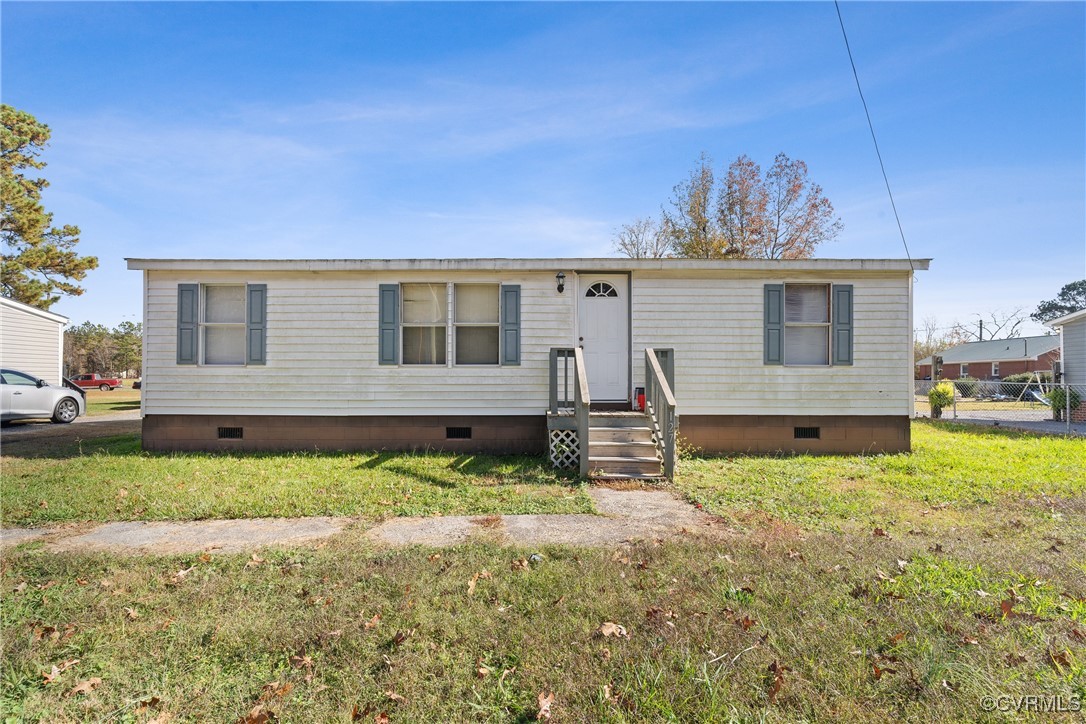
(874, 140)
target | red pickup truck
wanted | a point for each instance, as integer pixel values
(96, 380)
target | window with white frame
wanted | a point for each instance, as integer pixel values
(222, 324)
(963, 370)
(425, 319)
(807, 324)
(995, 369)
(476, 323)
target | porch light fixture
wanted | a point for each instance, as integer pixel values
(560, 277)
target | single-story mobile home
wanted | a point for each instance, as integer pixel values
(504, 355)
(32, 340)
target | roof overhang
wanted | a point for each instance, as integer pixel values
(51, 316)
(535, 265)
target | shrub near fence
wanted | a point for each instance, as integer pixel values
(1044, 405)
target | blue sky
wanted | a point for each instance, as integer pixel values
(330, 130)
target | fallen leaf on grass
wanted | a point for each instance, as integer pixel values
(254, 561)
(162, 718)
(951, 685)
(970, 641)
(880, 533)
(746, 623)
(393, 696)
(1077, 635)
(484, 574)
(59, 669)
(275, 690)
(84, 687)
(901, 565)
(881, 575)
(257, 715)
(358, 714)
(521, 564)
(777, 669)
(1014, 659)
(897, 638)
(608, 628)
(205, 558)
(545, 701)
(433, 557)
(381, 718)
(1060, 659)
(483, 671)
(131, 613)
(301, 660)
(402, 636)
(372, 623)
(879, 672)
(146, 704)
(505, 673)
(174, 580)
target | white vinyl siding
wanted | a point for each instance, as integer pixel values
(322, 347)
(716, 329)
(31, 343)
(322, 356)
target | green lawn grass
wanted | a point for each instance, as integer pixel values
(867, 587)
(122, 399)
(112, 479)
(965, 467)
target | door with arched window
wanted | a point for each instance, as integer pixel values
(603, 329)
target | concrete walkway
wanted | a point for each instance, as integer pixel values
(624, 515)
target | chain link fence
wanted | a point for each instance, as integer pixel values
(1036, 405)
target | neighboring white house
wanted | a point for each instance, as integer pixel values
(459, 354)
(1072, 329)
(32, 340)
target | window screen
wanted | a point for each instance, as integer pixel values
(806, 324)
(425, 313)
(224, 324)
(476, 321)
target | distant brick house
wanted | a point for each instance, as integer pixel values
(996, 358)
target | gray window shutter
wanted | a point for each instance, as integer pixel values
(774, 324)
(188, 302)
(256, 324)
(842, 324)
(389, 325)
(510, 324)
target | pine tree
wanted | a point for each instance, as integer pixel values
(39, 261)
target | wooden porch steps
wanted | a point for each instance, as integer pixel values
(620, 446)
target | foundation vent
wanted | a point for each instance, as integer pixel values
(231, 433)
(457, 433)
(808, 433)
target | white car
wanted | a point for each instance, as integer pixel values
(24, 396)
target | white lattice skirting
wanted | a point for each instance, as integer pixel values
(564, 449)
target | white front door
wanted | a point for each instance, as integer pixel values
(603, 315)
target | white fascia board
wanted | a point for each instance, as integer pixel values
(530, 265)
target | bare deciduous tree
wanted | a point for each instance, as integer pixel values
(997, 324)
(643, 238)
(691, 221)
